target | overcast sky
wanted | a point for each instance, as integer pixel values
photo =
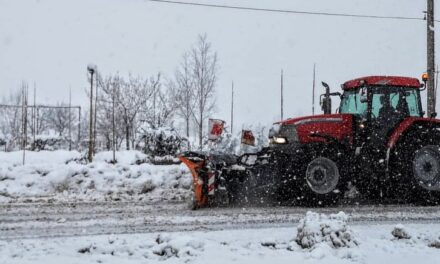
(50, 42)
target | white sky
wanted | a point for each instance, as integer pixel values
(50, 42)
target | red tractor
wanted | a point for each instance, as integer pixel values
(378, 141)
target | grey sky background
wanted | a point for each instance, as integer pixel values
(50, 42)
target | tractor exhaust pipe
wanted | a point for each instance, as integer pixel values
(326, 101)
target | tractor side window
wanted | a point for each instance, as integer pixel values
(351, 104)
(406, 102)
(413, 103)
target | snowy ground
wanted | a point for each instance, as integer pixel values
(275, 245)
(51, 213)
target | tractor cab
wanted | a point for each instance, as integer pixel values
(380, 103)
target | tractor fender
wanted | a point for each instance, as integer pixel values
(405, 125)
(410, 126)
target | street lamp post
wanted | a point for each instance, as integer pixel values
(91, 68)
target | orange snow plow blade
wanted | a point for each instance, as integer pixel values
(195, 165)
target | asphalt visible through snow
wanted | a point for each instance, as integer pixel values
(39, 220)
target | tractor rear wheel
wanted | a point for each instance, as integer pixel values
(426, 174)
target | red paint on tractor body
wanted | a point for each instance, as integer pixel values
(319, 127)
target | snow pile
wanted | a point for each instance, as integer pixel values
(399, 232)
(60, 176)
(178, 246)
(435, 243)
(316, 229)
(164, 247)
(114, 247)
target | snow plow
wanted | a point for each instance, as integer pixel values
(378, 142)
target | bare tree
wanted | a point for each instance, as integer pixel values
(183, 91)
(108, 97)
(59, 119)
(132, 97)
(10, 122)
(204, 74)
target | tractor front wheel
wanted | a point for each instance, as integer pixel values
(322, 178)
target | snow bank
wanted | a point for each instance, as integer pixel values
(59, 176)
(316, 229)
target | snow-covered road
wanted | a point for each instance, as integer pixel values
(35, 220)
(129, 232)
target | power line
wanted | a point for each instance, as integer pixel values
(299, 12)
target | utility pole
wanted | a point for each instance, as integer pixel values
(24, 116)
(96, 110)
(313, 91)
(70, 119)
(113, 124)
(79, 128)
(91, 69)
(232, 109)
(34, 116)
(282, 103)
(430, 58)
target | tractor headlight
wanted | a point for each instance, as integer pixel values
(283, 134)
(279, 140)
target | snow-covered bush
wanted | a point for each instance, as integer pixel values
(3, 140)
(161, 142)
(332, 230)
(435, 243)
(179, 246)
(130, 157)
(400, 232)
(49, 142)
(227, 143)
(231, 143)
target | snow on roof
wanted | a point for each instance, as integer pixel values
(382, 80)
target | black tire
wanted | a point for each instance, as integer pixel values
(322, 182)
(425, 171)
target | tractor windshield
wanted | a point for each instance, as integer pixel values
(384, 101)
(351, 103)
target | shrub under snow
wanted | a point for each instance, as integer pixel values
(400, 232)
(332, 230)
(179, 246)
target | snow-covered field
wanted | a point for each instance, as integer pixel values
(64, 176)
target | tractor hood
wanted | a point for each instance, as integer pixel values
(320, 128)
